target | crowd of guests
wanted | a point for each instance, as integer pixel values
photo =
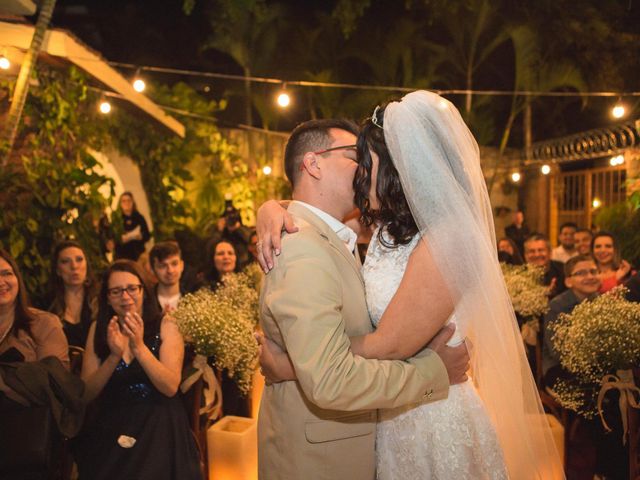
(133, 353)
(584, 265)
(134, 356)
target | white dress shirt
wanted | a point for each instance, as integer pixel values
(343, 232)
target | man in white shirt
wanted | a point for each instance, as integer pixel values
(166, 262)
(322, 425)
(567, 248)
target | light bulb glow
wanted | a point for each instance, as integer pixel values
(515, 177)
(266, 170)
(545, 169)
(596, 203)
(139, 85)
(618, 111)
(4, 63)
(105, 107)
(617, 160)
(284, 100)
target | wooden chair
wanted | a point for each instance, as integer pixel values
(633, 418)
(76, 355)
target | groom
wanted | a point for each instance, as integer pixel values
(323, 425)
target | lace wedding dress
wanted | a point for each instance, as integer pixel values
(444, 440)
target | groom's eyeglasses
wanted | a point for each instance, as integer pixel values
(333, 149)
(329, 150)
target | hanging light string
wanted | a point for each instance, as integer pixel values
(198, 116)
(353, 86)
(392, 88)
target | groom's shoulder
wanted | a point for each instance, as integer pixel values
(307, 241)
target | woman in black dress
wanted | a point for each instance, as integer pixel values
(130, 244)
(73, 291)
(132, 367)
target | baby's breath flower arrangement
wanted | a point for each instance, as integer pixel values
(221, 324)
(599, 337)
(524, 284)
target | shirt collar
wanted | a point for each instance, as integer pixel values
(343, 232)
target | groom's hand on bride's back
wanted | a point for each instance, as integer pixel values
(456, 359)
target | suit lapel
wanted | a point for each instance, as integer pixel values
(326, 232)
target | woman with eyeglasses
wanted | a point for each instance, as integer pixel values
(132, 368)
(613, 269)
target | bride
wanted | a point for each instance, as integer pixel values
(419, 180)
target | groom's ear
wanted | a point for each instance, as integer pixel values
(310, 163)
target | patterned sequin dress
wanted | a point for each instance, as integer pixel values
(445, 440)
(129, 408)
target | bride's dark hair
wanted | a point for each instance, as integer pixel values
(393, 213)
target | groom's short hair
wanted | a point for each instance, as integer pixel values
(310, 136)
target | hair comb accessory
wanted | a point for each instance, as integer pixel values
(374, 118)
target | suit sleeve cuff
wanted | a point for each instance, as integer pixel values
(432, 369)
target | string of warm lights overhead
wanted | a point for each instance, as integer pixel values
(284, 100)
(283, 97)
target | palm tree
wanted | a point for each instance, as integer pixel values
(22, 83)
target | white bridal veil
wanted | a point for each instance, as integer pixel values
(438, 161)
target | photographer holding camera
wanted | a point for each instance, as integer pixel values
(231, 229)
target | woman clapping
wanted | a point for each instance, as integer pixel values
(132, 367)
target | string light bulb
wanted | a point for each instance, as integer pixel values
(5, 64)
(618, 110)
(105, 107)
(283, 99)
(139, 85)
(617, 160)
(545, 169)
(516, 177)
(266, 170)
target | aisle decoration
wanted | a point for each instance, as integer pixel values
(598, 344)
(221, 325)
(528, 296)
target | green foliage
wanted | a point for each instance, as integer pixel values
(162, 156)
(53, 188)
(623, 220)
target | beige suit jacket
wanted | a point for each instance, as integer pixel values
(323, 425)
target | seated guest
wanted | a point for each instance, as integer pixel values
(508, 252)
(132, 368)
(26, 334)
(73, 291)
(583, 282)
(221, 260)
(35, 383)
(537, 251)
(173, 279)
(582, 239)
(613, 270)
(567, 247)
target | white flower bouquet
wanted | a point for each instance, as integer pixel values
(524, 284)
(221, 325)
(600, 337)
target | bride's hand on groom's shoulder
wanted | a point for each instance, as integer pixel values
(272, 218)
(456, 359)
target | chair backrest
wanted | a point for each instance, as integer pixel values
(633, 417)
